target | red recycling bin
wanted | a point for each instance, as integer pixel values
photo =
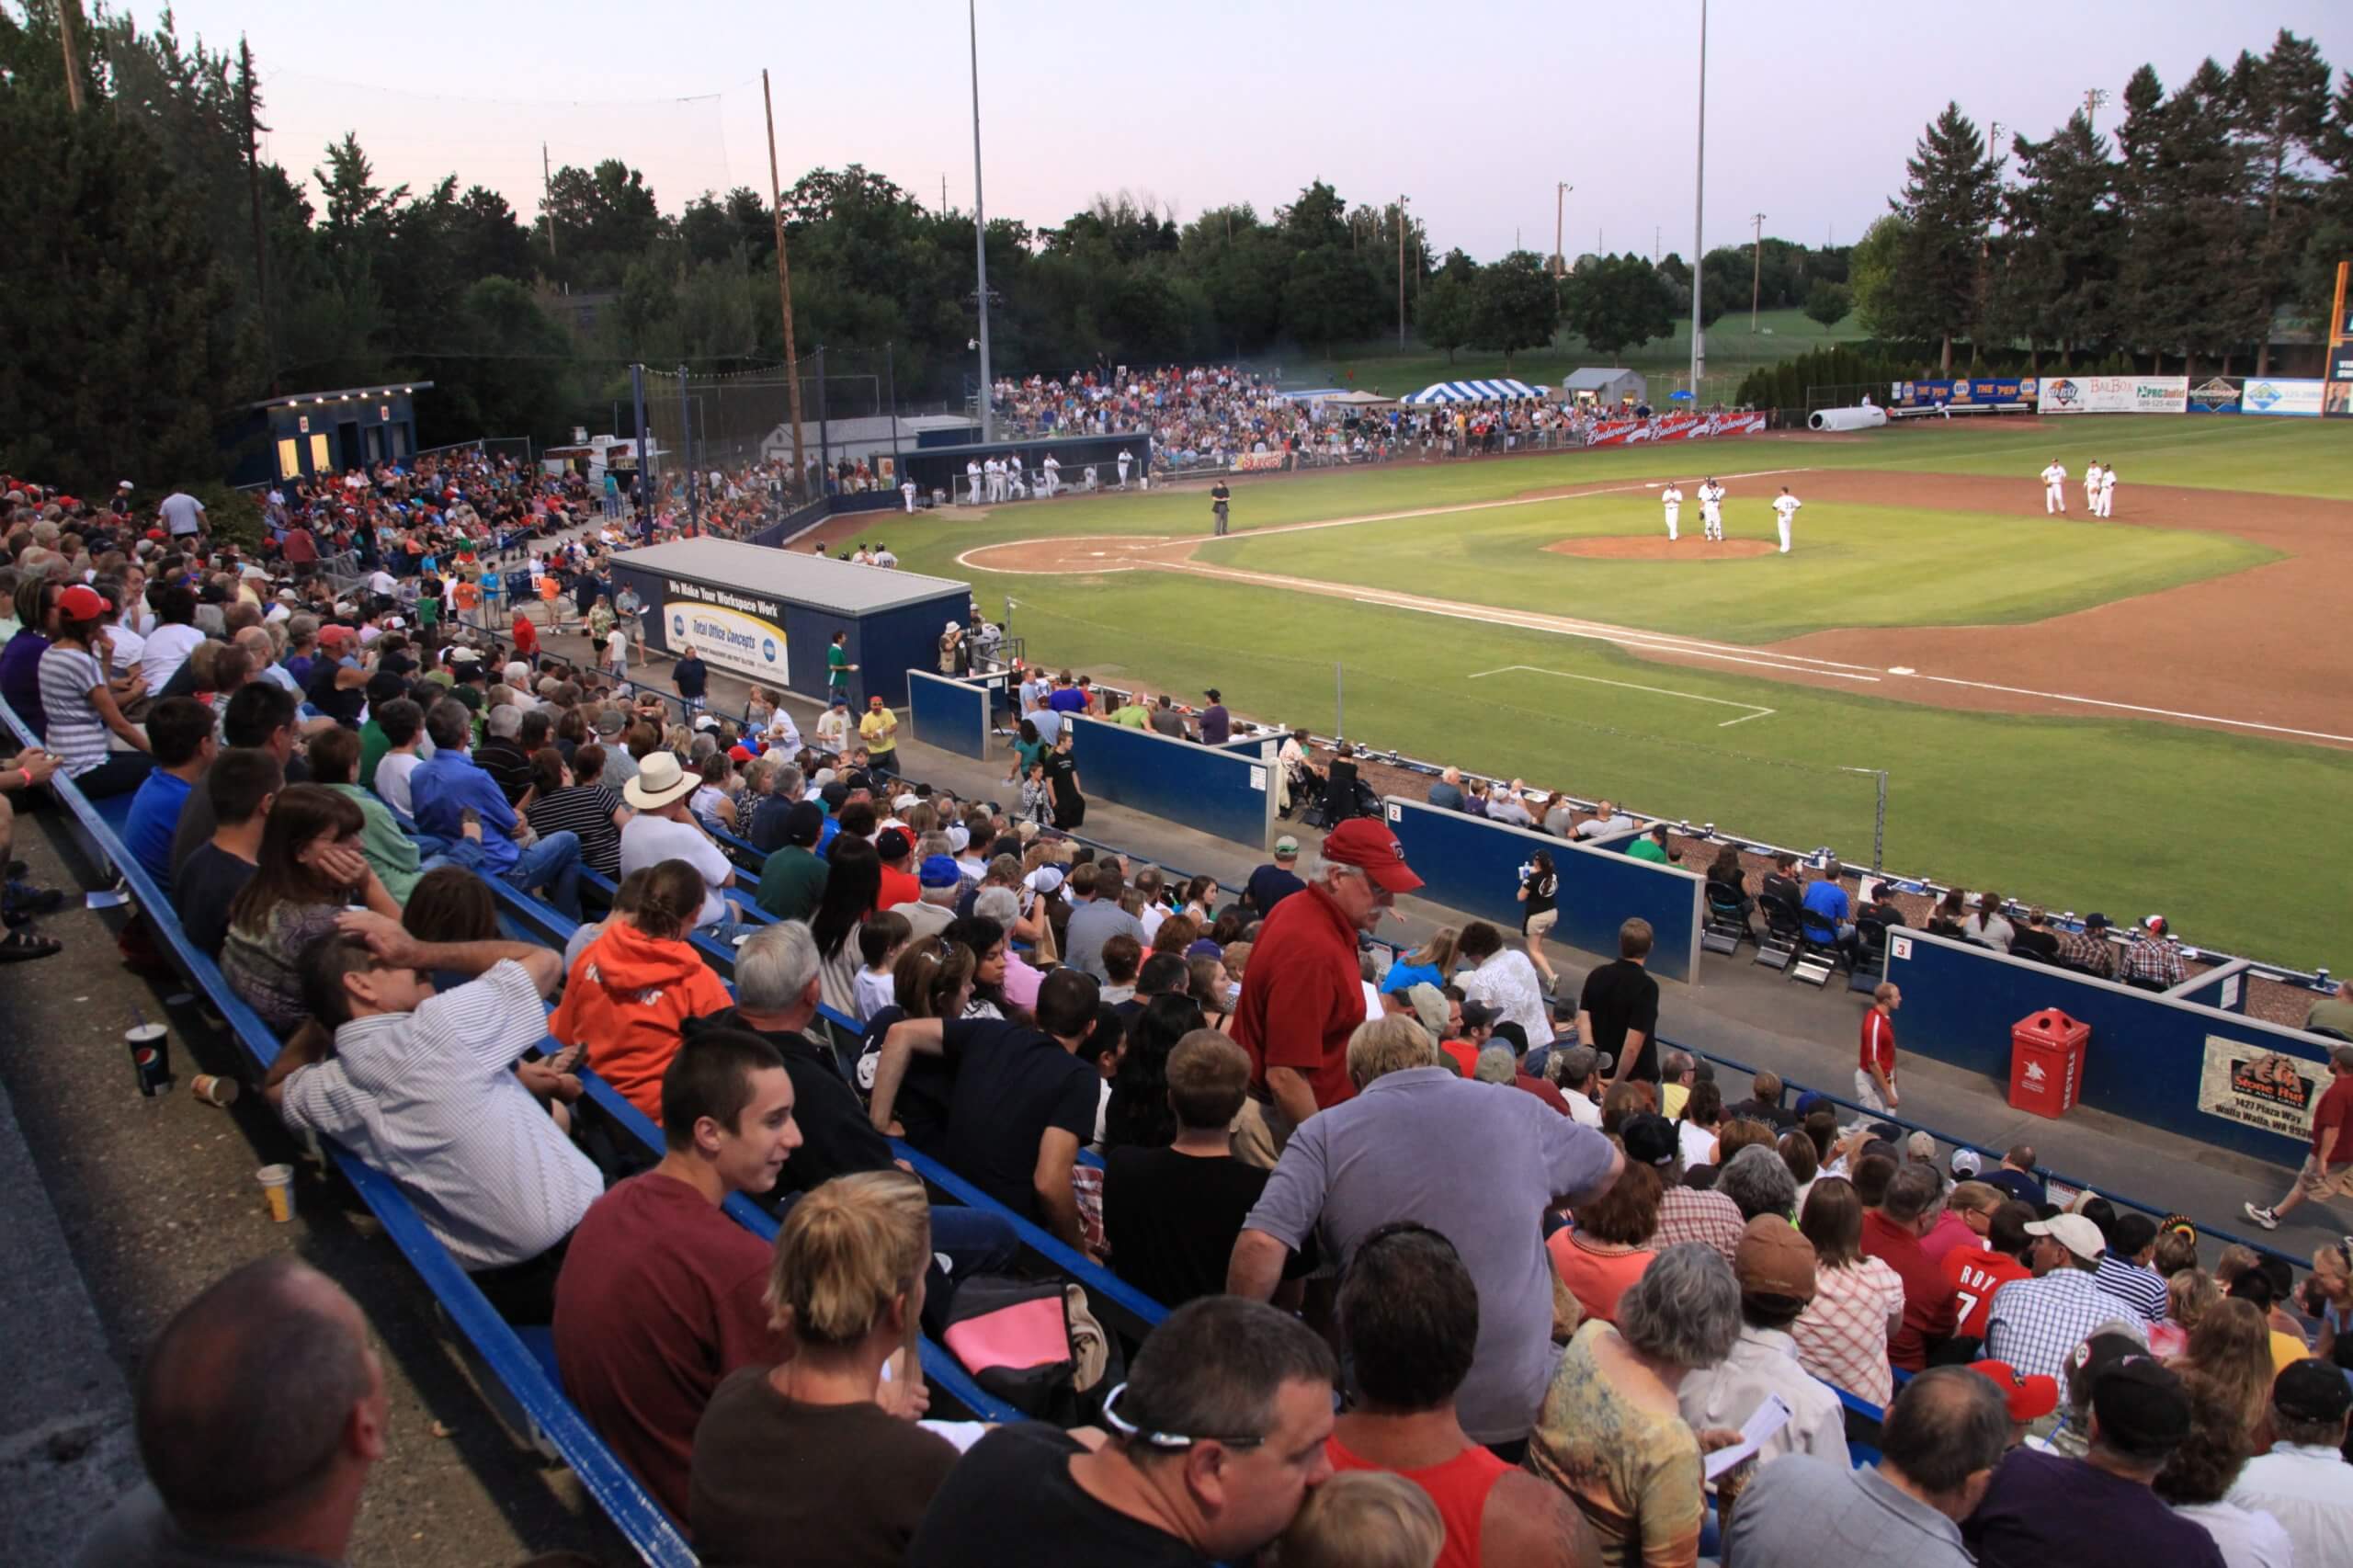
(2047, 1062)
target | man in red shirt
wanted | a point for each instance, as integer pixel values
(2328, 1169)
(1302, 994)
(1892, 1233)
(662, 1295)
(1973, 1277)
(527, 637)
(1875, 1074)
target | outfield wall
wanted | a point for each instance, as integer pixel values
(2195, 1070)
(950, 714)
(1222, 792)
(1470, 864)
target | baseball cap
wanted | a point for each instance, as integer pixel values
(1476, 1015)
(1214, 695)
(1371, 848)
(2030, 1398)
(906, 802)
(2072, 1231)
(1812, 1101)
(465, 656)
(1966, 1162)
(82, 603)
(2142, 1408)
(1286, 845)
(608, 721)
(2312, 1389)
(938, 871)
(1429, 1006)
(1774, 1259)
(894, 844)
(1580, 1062)
(1650, 1139)
(335, 636)
(739, 752)
(803, 822)
(385, 686)
(2095, 922)
(706, 721)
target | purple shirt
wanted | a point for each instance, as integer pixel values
(2042, 1509)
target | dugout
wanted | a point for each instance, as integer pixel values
(769, 615)
(942, 468)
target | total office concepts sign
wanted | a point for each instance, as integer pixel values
(743, 632)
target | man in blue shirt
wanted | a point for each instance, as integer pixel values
(1828, 914)
(446, 786)
(179, 732)
(1270, 884)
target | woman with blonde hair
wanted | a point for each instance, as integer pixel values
(1362, 1519)
(1433, 962)
(2189, 1296)
(2231, 1349)
(845, 1292)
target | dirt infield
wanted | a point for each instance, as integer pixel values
(1659, 547)
(2261, 651)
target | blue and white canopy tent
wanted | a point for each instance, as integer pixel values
(1473, 391)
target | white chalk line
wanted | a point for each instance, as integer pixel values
(1754, 711)
(2138, 708)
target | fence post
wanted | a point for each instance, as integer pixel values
(637, 398)
(1339, 704)
(1879, 827)
(687, 449)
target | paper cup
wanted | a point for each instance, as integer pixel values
(277, 1186)
(212, 1090)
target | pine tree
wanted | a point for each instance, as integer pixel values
(2281, 103)
(1948, 206)
(2055, 277)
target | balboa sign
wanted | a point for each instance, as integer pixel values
(2114, 394)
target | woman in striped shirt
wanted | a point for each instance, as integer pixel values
(577, 800)
(80, 706)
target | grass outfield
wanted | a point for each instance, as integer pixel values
(2124, 816)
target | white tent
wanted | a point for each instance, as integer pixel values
(1472, 391)
(1359, 399)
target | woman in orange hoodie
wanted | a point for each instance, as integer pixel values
(633, 988)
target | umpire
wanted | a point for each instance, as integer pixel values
(1218, 498)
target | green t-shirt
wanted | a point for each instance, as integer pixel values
(791, 881)
(1135, 716)
(373, 744)
(429, 610)
(1646, 848)
(838, 665)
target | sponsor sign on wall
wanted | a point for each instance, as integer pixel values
(1247, 462)
(1962, 391)
(2256, 1087)
(2216, 394)
(742, 632)
(2114, 394)
(2271, 395)
(1674, 428)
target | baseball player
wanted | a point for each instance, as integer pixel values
(1053, 477)
(1785, 506)
(2091, 486)
(1125, 459)
(2107, 493)
(973, 472)
(2055, 490)
(1672, 499)
(1711, 509)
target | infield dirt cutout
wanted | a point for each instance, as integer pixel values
(1659, 547)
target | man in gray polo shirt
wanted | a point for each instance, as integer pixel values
(1478, 1163)
(1943, 1439)
(1099, 920)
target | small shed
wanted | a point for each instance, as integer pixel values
(1610, 387)
(308, 435)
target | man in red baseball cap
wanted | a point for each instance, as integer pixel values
(2030, 1399)
(1302, 994)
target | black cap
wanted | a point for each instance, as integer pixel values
(803, 822)
(1650, 1139)
(2142, 1408)
(385, 686)
(1477, 1015)
(1213, 695)
(2312, 1389)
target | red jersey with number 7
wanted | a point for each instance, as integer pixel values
(1974, 1277)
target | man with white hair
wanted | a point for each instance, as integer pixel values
(1492, 1163)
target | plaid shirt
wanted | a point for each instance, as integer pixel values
(2149, 959)
(1687, 1214)
(2088, 949)
(2035, 1325)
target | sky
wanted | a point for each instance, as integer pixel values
(1474, 110)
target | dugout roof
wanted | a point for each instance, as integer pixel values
(802, 578)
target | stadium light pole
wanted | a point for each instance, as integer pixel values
(1401, 273)
(1698, 208)
(980, 224)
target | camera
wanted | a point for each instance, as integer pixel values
(1527, 870)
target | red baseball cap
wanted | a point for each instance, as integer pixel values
(2030, 1398)
(335, 635)
(1364, 843)
(80, 602)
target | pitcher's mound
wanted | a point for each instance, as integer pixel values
(1657, 547)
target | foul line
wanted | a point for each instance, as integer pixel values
(1754, 711)
(2137, 707)
(1602, 634)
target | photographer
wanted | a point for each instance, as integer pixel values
(1540, 888)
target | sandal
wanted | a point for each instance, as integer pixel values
(23, 946)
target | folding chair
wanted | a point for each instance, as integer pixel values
(1727, 924)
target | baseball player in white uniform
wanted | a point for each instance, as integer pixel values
(2107, 493)
(1053, 479)
(2091, 487)
(1785, 506)
(1711, 509)
(1672, 499)
(907, 491)
(2055, 490)
(1125, 459)
(973, 472)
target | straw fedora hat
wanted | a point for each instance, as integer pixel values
(659, 781)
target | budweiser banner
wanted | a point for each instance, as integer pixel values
(1674, 428)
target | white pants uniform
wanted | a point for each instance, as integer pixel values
(2108, 497)
(1123, 472)
(1673, 514)
(1711, 520)
(1051, 479)
(2054, 498)
(1781, 521)
(2091, 497)
(976, 486)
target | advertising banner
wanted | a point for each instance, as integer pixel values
(2217, 395)
(1964, 391)
(1252, 462)
(2299, 400)
(1674, 428)
(2114, 394)
(742, 632)
(2254, 1088)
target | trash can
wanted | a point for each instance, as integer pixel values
(2046, 1063)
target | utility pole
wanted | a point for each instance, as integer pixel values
(253, 202)
(1756, 272)
(687, 451)
(1401, 268)
(1560, 211)
(2094, 97)
(547, 196)
(73, 59)
(980, 227)
(1698, 208)
(784, 286)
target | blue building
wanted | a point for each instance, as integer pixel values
(306, 435)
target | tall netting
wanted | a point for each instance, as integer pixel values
(726, 421)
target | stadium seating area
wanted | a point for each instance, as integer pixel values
(1692, 1191)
